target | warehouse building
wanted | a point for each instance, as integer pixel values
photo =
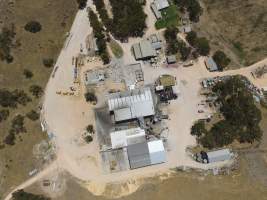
(143, 50)
(146, 153)
(131, 105)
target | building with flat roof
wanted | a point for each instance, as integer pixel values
(132, 104)
(146, 153)
(143, 50)
(211, 64)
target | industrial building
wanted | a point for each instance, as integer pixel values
(211, 65)
(144, 50)
(131, 105)
(146, 153)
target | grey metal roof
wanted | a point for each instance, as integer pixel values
(161, 4)
(144, 50)
(219, 155)
(211, 65)
(156, 12)
(138, 155)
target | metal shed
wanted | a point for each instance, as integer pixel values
(211, 65)
(219, 155)
(138, 155)
(156, 152)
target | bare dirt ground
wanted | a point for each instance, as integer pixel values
(238, 27)
(181, 185)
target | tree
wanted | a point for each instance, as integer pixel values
(4, 114)
(184, 50)
(88, 138)
(36, 91)
(90, 97)
(170, 35)
(203, 46)
(33, 27)
(7, 36)
(191, 38)
(192, 6)
(48, 62)
(21, 97)
(10, 139)
(33, 115)
(7, 99)
(27, 73)
(90, 128)
(81, 4)
(17, 125)
(198, 129)
(221, 59)
(22, 195)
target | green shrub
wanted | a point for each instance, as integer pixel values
(27, 73)
(33, 115)
(4, 114)
(33, 27)
(36, 91)
(48, 62)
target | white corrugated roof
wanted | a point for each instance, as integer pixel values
(120, 138)
(139, 104)
(155, 146)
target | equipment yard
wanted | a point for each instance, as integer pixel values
(138, 118)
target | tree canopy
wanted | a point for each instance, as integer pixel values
(221, 59)
(192, 6)
(241, 116)
(128, 18)
(22, 195)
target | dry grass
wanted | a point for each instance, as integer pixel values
(237, 26)
(55, 18)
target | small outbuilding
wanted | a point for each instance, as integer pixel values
(219, 155)
(211, 64)
(171, 59)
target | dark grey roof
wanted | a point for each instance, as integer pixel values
(138, 155)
